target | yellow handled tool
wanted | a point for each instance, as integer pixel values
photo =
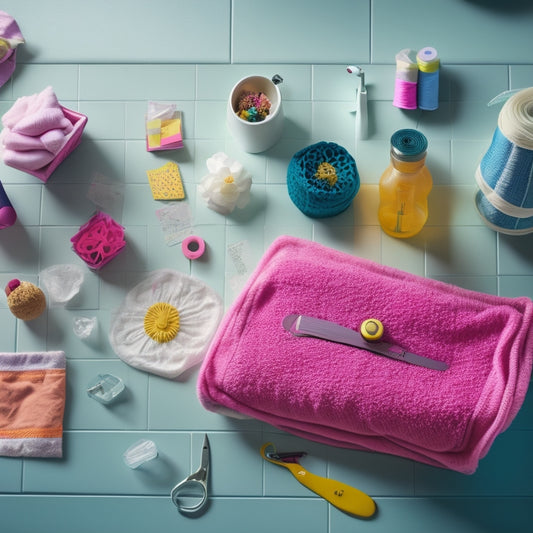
(342, 496)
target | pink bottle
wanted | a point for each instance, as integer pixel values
(8, 215)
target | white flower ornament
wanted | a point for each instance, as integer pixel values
(226, 186)
(165, 323)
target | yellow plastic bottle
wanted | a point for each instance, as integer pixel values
(405, 185)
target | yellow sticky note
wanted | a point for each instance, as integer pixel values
(153, 126)
(170, 127)
(154, 140)
(166, 183)
(153, 133)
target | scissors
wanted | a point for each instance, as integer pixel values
(190, 495)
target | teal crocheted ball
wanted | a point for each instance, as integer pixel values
(322, 180)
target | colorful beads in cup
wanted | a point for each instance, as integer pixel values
(253, 107)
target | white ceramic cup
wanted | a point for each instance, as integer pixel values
(256, 137)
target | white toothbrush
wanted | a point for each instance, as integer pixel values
(361, 116)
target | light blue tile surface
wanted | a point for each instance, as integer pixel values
(96, 457)
(11, 480)
(506, 463)
(128, 82)
(125, 31)
(31, 79)
(128, 412)
(157, 513)
(465, 32)
(107, 60)
(339, 33)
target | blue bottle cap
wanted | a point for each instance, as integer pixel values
(408, 145)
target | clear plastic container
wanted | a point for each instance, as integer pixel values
(405, 185)
(139, 453)
(105, 388)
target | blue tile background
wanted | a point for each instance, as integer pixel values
(107, 59)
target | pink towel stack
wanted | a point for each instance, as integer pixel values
(352, 398)
(35, 131)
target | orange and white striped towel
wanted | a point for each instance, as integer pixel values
(32, 403)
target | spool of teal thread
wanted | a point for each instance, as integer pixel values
(428, 79)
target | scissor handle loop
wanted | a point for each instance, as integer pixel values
(193, 480)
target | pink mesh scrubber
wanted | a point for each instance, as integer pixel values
(99, 240)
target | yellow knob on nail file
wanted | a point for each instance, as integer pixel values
(372, 329)
(346, 498)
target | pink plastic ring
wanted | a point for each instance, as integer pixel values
(193, 247)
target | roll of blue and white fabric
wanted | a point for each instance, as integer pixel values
(505, 174)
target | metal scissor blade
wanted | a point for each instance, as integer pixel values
(205, 455)
(301, 325)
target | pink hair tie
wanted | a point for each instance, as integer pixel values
(193, 247)
(99, 240)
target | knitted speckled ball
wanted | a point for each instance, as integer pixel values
(25, 300)
(322, 179)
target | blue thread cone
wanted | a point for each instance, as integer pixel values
(505, 173)
(499, 221)
(508, 170)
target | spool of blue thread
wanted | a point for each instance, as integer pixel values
(499, 221)
(505, 173)
(428, 79)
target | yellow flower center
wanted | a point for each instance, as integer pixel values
(162, 322)
(4, 47)
(229, 179)
(325, 171)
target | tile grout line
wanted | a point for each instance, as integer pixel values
(231, 11)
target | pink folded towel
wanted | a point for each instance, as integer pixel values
(52, 141)
(42, 121)
(27, 105)
(28, 159)
(15, 141)
(32, 403)
(352, 398)
(35, 131)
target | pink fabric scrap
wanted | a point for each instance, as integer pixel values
(11, 34)
(352, 398)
